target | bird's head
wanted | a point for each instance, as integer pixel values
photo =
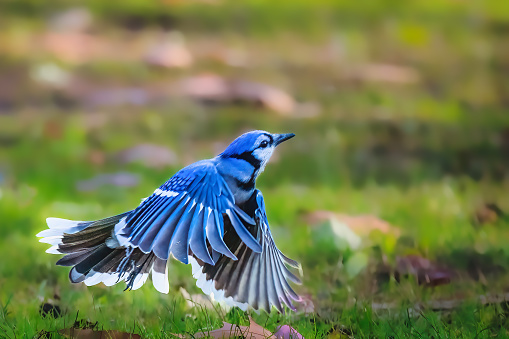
(255, 147)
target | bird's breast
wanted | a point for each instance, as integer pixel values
(240, 177)
(241, 191)
(241, 196)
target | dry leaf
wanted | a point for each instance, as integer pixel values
(365, 224)
(360, 224)
(488, 213)
(193, 300)
(270, 97)
(253, 331)
(306, 305)
(211, 87)
(205, 87)
(385, 73)
(77, 333)
(425, 271)
(170, 52)
(73, 47)
(96, 157)
(53, 130)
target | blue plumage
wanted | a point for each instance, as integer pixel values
(209, 214)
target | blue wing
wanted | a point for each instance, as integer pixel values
(187, 213)
(260, 280)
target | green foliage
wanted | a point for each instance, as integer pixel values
(423, 155)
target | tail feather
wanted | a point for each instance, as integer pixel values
(94, 252)
(57, 227)
(72, 246)
(57, 223)
(80, 271)
(160, 275)
(74, 258)
(52, 240)
(110, 262)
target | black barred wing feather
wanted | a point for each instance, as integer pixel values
(260, 280)
(186, 214)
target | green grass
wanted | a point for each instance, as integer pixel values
(423, 156)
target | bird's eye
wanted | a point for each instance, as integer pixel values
(264, 144)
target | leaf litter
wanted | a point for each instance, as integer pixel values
(88, 330)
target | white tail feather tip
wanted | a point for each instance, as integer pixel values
(61, 223)
(160, 282)
(50, 232)
(51, 240)
(53, 250)
(111, 280)
(93, 278)
(139, 281)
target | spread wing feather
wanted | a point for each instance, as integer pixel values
(260, 280)
(186, 212)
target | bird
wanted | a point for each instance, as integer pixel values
(210, 215)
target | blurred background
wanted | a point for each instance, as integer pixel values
(394, 189)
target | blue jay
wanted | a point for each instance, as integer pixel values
(208, 214)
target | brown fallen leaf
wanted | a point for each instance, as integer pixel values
(360, 224)
(96, 157)
(503, 140)
(228, 56)
(365, 224)
(53, 129)
(205, 87)
(426, 272)
(193, 300)
(83, 329)
(384, 73)
(270, 97)
(76, 47)
(488, 213)
(72, 47)
(169, 52)
(253, 331)
(443, 304)
(87, 333)
(213, 88)
(306, 306)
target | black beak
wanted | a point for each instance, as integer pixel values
(279, 138)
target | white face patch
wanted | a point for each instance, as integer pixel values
(263, 154)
